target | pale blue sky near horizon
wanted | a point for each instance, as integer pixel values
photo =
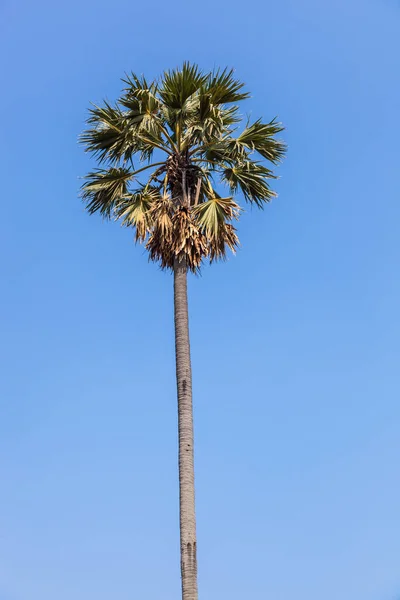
(295, 341)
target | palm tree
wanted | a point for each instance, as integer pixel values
(166, 150)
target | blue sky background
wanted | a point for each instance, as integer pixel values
(295, 341)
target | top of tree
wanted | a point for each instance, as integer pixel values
(166, 149)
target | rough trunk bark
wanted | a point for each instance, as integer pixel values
(185, 429)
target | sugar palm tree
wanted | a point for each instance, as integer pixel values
(166, 150)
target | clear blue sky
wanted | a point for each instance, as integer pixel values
(295, 341)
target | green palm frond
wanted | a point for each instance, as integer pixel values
(145, 110)
(106, 139)
(135, 210)
(113, 139)
(224, 151)
(215, 211)
(137, 87)
(260, 137)
(117, 135)
(213, 218)
(206, 117)
(224, 88)
(142, 108)
(178, 85)
(251, 179)
(204, 121)
(104, 188)
(230, 116)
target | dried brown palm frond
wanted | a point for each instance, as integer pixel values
(160, 238)
(188, 241)
(175, 235)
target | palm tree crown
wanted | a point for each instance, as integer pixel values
(182, 134)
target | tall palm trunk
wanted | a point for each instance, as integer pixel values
(185, 428)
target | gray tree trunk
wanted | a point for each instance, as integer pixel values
(185, 429)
